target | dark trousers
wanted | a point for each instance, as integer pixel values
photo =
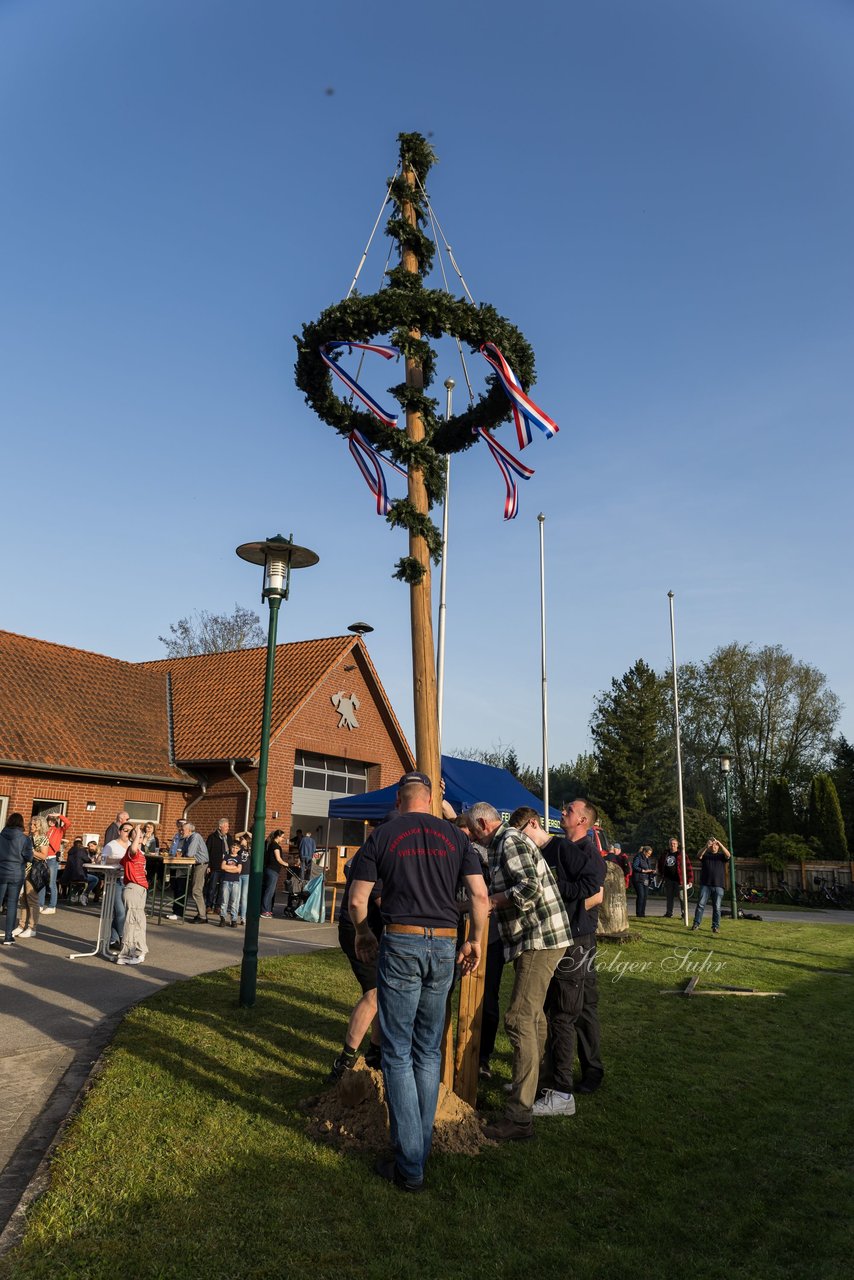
(212, 890)
(9, 890)
(671, 892)
(268, 895)
(491, 987)
(572, 1010)
(640, 887)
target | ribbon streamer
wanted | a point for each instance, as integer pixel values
(369, 462)
(388, 353)
(507, 465)
(525, 413)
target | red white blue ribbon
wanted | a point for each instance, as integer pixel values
(525, 413)
(388, 353)
(508, 465)
(369, 461)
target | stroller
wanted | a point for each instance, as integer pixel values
(297, 890)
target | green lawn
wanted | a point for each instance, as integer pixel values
(718, 1147)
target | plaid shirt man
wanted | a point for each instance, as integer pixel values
(534, 918)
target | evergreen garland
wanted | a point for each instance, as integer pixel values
(403, 306)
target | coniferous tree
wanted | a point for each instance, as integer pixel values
(842, 773)
(825, 817)
(781, 811)
(632, 734)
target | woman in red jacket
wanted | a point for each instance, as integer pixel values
(134, 944)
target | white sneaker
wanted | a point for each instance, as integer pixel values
(172, 916)
(84, 901)
(48, 911)
(133, 960)
(26, 933)
(553, 1103)
(17, 931)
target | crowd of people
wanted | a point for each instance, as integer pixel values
(38, 863)
(531, 900)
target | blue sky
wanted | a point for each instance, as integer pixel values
(659, 193)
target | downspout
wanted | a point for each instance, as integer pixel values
(246, 787)
(193, 803)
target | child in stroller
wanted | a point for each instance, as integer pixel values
(297, 888)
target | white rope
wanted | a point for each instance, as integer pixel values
(382, 286)
(433, 224)
(448, 248)
(373, 233)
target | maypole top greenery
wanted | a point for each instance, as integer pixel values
(402, 306)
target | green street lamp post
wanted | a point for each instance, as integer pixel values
(726, 766)
(278, 555)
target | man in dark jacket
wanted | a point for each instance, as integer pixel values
(218, 847)
(15, 852)
(572, 1001)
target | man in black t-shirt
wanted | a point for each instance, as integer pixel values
(713, 859)
(572, 1000)
(420, 861)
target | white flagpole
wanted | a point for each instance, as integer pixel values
(679, 765)
(542, 521)
(440, 640)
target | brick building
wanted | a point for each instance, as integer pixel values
(90, 735)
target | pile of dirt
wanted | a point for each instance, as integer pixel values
(352, 1116)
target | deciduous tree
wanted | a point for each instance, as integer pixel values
(205, 632)
(774, 714)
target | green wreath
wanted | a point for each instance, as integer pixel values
(403, 306)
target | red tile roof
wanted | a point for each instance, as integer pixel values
(64, 708)
(217, 697)
(69, 709)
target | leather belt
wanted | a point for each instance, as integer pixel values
(423, 930)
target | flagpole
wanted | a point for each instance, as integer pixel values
(679, 765)
(443, 574)
(542, 521)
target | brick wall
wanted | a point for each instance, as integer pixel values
(109, 797)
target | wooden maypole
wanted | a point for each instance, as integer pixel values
(406, 310)
(425, 703)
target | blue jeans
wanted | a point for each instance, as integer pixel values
(268, 896)
(9, 889)
(717, 896)
(119, 912)
(49, 890)
(641, 889)
(229, 897)
(243, 900)
(414, 976)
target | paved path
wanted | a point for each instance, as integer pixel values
(57, 1015)
(655, 907)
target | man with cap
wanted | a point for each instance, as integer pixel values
(420, 860)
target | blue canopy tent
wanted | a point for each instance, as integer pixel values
(466, 782)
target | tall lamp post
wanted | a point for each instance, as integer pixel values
(278, 555)
(726, 766)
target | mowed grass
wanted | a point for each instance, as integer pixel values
(718, 1146)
